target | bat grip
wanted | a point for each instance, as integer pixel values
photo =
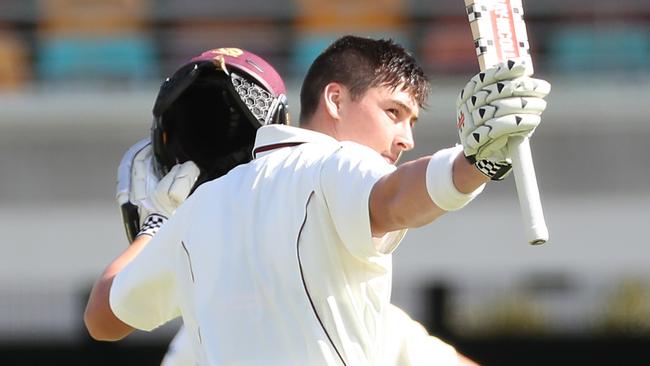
(531, 206)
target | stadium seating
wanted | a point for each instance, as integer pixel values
(14, 62)
(95, 41)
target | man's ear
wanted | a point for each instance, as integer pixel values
(333, 95)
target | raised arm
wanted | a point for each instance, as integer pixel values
(499, 103)
(409, 343)
(156, 204)
(401, 199)
(100, 321)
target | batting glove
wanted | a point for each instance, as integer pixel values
(496, 104)
(146, 201)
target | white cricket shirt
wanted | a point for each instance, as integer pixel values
(274, 263)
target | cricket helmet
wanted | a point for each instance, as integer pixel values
(209, 110)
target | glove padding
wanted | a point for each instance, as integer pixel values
(496, 104)
(145, 200)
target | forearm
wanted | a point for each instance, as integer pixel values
(401, 199)
(465, 175)
(414, 345)
(100, 321)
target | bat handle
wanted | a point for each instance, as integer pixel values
(531, 206)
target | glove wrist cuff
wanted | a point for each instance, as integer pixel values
(494, 170)
(152, 223)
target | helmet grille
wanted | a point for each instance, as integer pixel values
(257, 99)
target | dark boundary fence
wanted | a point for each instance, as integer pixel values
(89, 353)
(530, 350)
(552, 349)
(502, 351)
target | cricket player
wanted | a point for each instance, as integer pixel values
(189, 126)
(287, 259)
(205, 118)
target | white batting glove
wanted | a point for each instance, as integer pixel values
(155, 200)
(496, 104)
(173, 188)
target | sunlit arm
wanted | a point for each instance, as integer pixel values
(100, 321)
(400, 200)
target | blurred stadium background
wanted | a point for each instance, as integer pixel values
(77, 84)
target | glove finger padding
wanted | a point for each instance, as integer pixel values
(522, 105)
(174, 188)
(520, 87)
(493, 135)
(127, 195)
(504, 107)
(143, 179)
(510, 70)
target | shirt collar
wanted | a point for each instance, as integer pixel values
(272, 137)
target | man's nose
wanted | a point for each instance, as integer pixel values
(404, 140)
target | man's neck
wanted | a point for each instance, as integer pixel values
(321, 126)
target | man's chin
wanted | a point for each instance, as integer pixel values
(389, 159)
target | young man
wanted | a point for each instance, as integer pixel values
(287, 259)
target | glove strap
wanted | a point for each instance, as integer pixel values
(496, 171)
(152, 224)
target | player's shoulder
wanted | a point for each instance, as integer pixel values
(358, 153)
(351, 156)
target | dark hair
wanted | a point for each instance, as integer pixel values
(360, 64)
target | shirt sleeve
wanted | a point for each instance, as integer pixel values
(347, 178)
(409, 343)
(144, 293)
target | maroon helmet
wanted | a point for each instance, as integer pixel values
(209, 110)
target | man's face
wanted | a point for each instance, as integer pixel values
(381, 119)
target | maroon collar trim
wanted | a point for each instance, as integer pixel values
(262, 149)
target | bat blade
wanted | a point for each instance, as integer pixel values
(499, 31)
(499, 34)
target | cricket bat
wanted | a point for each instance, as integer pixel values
(499, 34)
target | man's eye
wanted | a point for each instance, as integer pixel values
(392, 112)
